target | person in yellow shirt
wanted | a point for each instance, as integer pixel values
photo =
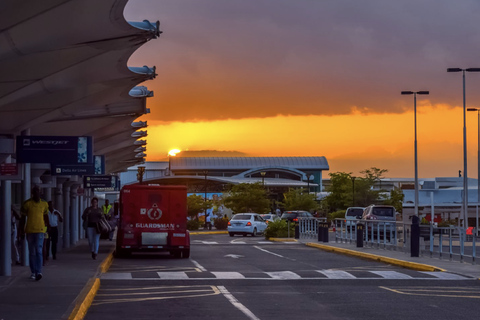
(35, 212)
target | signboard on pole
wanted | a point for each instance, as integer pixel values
(100, 181)
(55, 149)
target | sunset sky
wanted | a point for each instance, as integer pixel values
(314, 78)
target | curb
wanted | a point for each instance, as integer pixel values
(85, 298)
(401, 263)
(283, 239)
(209, 232)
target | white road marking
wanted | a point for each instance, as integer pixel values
(198, 265)
(392, 275)
(234, 256)
(283, 275)
(336, 274)
(209, 242)
(444, 275)
(237, 242)
(117, 276)
(236, 303)
(275, 254)
(173, 275)
(265, 242)
(228, 275)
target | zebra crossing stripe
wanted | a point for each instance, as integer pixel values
(336, 274)
(444, 275)
(173, 275)
(228, 275)
(284, 275)
(117, 276)
(209, 242)
(392, 275)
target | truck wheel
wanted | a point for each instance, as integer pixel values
(254, 233)
(231, 234)
(186, 253)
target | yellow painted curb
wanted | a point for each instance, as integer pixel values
(402, 263)
(106, 263)
(88, 294)
(210, 232)
(283, 239)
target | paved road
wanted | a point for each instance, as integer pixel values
(249, 278)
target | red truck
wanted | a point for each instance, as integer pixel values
(153, 218)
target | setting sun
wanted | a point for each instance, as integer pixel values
(174, 152)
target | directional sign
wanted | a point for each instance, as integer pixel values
(72, 169)
(100, 181)
(55, 149)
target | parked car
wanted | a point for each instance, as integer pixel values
(270, 217)
(352, 214)
(380, 213)
(294, 215)
(246, 223)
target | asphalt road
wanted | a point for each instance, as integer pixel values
(250, 278)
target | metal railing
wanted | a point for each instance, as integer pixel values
(441, 242)
(308, 227)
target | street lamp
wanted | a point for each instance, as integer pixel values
(263, 173)
(353, 190)
(465, 175)
(478, 163)
(415, 144)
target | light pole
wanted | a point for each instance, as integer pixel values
(415, 143)
(353, 190)
(465, 175)
(478, 163)
(263, 173)
(205, 173)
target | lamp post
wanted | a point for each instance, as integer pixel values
(205, 173)
(353, 190)
(465, 175)
(415, 143)
(478, 163)
(263, 173)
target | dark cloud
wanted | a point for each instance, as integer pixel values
(222, 59)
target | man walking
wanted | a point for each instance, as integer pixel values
(54, 216)
(35, 211)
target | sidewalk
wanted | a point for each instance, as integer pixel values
(53, 297)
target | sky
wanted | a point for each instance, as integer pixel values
(314, 78)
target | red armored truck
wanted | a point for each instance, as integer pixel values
(153, 218)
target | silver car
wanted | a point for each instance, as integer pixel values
(246, 223)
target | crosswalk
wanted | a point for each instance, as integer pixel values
(284, 275)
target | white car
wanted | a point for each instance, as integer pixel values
(270, 217)
(246, 223)
(352, 215)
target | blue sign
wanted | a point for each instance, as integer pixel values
(55, 149)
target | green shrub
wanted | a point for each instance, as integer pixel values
(334, 215)
(279, 229)
(193, 224)
(220, 223)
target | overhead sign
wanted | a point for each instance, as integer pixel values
(55, 149)
(98, 167)
(100, 181)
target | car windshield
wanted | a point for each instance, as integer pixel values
(242, 217)
(354, 212)
(266, 216)
(383, 211)
(289, 215)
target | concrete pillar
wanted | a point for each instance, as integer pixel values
(75, 217)
(66, 215)
(26, 194)
(58, 204)
(6, 227)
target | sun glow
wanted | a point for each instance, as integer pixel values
(174, 152)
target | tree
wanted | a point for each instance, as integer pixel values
(247, 197)
(345, 191)
(196, 204)
(396, 199)
(299, 199)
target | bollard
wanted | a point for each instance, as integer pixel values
(297, 231)
(324, 231)
(360, 228)
(415, 237)
(320, 232)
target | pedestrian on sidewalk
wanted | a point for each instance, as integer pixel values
(92, 216)
(208, 222)
(35, 212)
(15, 254)
(54, 216)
